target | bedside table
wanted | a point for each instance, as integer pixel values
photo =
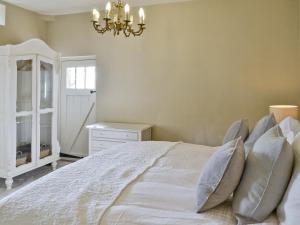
(105, 135)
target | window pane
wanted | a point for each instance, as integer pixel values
(90, 77)
(71, 78)
(46, 135)
(24, 140)
(46, 83)
(24, 85)
(80, 77)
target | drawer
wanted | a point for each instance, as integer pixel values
(122, 135)
(104, 144)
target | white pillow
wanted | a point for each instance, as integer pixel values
(290, 127)
(289, 208)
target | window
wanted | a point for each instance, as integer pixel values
(81, 78)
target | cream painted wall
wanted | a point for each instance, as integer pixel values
(199, 66)
(21, 25)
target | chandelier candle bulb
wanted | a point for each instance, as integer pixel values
(108, 9)
(96, 15)
(127, 10)
(131, 20)
(142, 16)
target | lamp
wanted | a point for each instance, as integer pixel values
(282, 111)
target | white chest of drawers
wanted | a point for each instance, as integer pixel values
(105, 135)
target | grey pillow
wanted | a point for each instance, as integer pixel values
(237, 129)
(221, 175)
(267, 173)
(260, 128)
(289, 208)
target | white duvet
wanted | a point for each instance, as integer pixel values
(149, 183)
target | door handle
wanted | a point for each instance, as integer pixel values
(92, 91)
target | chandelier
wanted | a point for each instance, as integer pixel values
(117, 18)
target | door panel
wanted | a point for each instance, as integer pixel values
(77, 106)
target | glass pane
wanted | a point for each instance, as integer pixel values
(90, 77)
(71, 78)
(46, 85)
(24, 85)
(24, 140)
(45, 135)
(80, 77)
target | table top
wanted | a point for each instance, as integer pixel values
(119, 126)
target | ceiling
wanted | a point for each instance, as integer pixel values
(61, 7)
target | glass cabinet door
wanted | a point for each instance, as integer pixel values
(46, 110)
(46, 85)
(25, 94)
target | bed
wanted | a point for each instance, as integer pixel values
(148, 183)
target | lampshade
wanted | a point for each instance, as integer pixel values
(282, 111)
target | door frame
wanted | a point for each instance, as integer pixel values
(62, 83)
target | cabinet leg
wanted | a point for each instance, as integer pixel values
(54, 165)
(8, 182)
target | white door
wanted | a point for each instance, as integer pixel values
(77, 103)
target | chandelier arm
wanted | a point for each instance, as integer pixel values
(127, 28)
(140, 31)
(127, 32)
(98, 28)
(108, 25)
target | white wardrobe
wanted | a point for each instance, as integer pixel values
(28, 108)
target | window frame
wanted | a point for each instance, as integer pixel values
(85, 76)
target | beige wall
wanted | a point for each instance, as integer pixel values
(21, 25)
(199, 66)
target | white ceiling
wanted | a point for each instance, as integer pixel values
(60, 7)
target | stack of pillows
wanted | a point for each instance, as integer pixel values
(256, 168)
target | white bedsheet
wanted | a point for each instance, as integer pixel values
(165, 194)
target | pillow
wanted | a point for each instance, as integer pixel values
(290, 127)
(237, 129)
(221, 175)
(267, 173)
(289, 209)
(260, 128)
